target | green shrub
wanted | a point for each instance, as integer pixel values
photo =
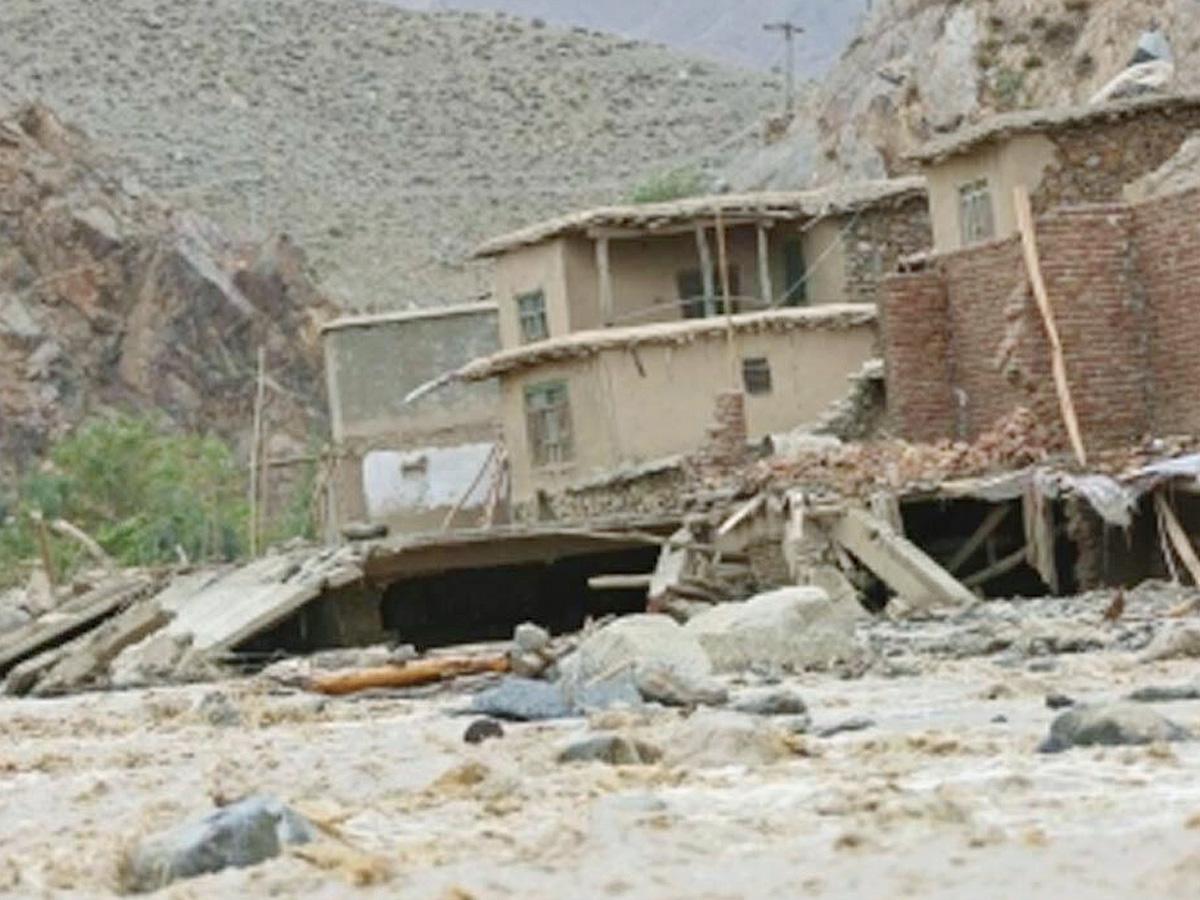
(139, 489)
(677, 184)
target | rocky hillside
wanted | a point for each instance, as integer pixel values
(111, 300)
(724, 30)
(386, 142)
(920, 67)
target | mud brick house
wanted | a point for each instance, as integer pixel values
(964, 340)
(633, 265)
(408, 464)
(580, 406)
(1063, 157)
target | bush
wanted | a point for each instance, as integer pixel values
(675, 185)
(140, 490)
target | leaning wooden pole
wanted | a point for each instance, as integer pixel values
(1033, 264)
(726, 299)
(256, 449)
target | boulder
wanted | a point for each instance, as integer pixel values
(1166, 693)
(530, 638)
(641, 643)
(529, 700)
(613, 749)
(1112, 725)
(770, 702)
(1179, 642)
(671, 688)
(242, 834)
(12, 618)
(714, 738)
(796, 627)
(482, 730)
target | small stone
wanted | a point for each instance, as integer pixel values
(1166, 693)
(999, 720)
(1043, 664)
(526, 665)
(857, 723)
(613, 749)
(531, 638)
(1113, 725)
(770, 702)
(1058, 701)
(1179, 642)
(242, 834)
(364, 531)
(482, 729)
(217, 709)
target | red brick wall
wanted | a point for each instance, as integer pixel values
(994, 354)
(916, 335)
(1168, 263)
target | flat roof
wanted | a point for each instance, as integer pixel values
(409, 315)
(1051, 119)
(768, 205)
(582, 344)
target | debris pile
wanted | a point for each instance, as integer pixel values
(112, 300)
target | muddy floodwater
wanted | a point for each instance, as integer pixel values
(942, 793)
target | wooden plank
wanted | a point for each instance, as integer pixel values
(1178, 536)
(418, 672)
(1007, 564)
(620, 582)
(1033, 264)
(1040, 535)
(740, 515)
(989, 525)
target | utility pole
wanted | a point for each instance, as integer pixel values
(789, 30)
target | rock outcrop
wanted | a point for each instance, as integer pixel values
(111, 300)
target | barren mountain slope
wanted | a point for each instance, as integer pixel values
(919, 67)
(720, 29)
(387, 142)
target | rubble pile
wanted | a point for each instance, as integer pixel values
(111, 300)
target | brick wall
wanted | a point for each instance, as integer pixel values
(916, 337)
(1167, 261)
(875, 240)
(993, 353)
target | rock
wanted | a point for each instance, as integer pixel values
(712, 738)
(364, 531)
(612, 749)
(639, 643)
(1166, 693)
(1058, 701)
(663, 685)
(531, 638)
(1113, 725)
(1179, 642)
(527, 700)
(770, 702)
(242, 834)
(481, 730)
(216, 709)
(527, 665)
(857, 723)
(797, 627)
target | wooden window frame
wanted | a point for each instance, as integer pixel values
(976, 213)
(548, 424)
(756, 376)
(533, 324)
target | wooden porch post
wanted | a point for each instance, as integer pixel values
(605, 270)
(706, 271)
(764, 267)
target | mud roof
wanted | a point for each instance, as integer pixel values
(408, 315)
(1053, 119)
(769, 206)
(582, 344)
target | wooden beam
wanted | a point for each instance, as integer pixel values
(764, 266)
(1033, 264)
(1041, 535)
(1178, 536)
(727, 303)
(677, 228)
(256, 451)
(990, 523)
(706, 271)
(620, 582)
(604, 269)
(1001, 567)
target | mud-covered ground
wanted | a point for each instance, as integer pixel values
(944, 795)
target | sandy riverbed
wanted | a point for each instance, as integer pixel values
(944, 797)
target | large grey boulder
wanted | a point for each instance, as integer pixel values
(613, 749)
(1112, 725)
(530, 700)
(795, 627)
(641, 644)
(242, 834)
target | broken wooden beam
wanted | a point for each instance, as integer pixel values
(413, 674)
(895, 560)
(1178, 537)
(990, 523)
(996, 569)
(620, 582)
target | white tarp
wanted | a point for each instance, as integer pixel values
(398, 483)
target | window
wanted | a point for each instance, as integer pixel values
(756, 375)
(975, 220)
(691, 291)
(531, 310)
(548, 418)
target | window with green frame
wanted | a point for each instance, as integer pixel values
(531, 312)
(548, 421)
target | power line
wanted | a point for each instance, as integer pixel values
(789, 30)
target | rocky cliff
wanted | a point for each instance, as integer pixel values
(111, 300)
(922, 67)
